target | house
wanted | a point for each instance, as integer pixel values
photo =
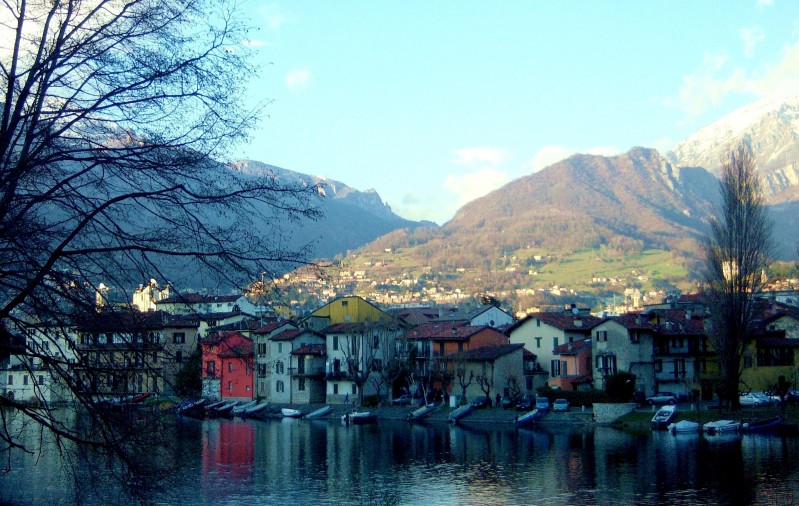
(571, 369)
(350, 309)
(119, 352)
(180, 344)
(263, 354)
(227, 371)
(189, 303)
(542, 332)
(292, 383)
(485, 315)
(625, 343)
(496, 369)
(774, 349)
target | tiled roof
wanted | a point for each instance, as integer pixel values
(311, 349)
(490, 352)
(270, 327)
(358, 327)
(573, 348)
(287, 335)
(240, 350)
(443, 331)
(564, 320)
(222, 336)
(417, 315)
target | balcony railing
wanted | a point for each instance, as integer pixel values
(307, 372)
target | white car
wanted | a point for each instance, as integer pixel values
(751, 399)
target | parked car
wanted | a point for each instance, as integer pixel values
(792, 396)
(751, 399)
(524, 404)
(403, 400)
(662, 398)
(766, 400)
(542, 404)
(560, 405)
(480, 402)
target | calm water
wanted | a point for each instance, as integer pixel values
(297, 462)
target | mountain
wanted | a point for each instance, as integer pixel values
(351, 218)
(770, 126)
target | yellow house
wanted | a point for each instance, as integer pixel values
(350, 309)
(774, 351)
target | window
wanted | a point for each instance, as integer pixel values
(658, 366)
(179, 357)
(635, 337)
(537, 322)
(555, 368)
(344, 303)
(554, 342)
(606, 364)
(280, 347)
(679, 368)
(375, 341)
(335, 342)
(154, 357)
(179, 337)
(279, 386)
(538, 342)
(301, 385)
(41, 380)
(601, 335)
(230, 386)
(460, 347)
(211, 368)
(25, 379)
(335, 388)
(247, 388)
(262, 348)
(247, 369)
(279, 369)
(354, 389)
(230, 367)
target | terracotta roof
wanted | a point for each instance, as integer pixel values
(291, 334)
(240, 350)
(564, 320)
(490, 352)
(311, 349)
(222, 337)
(270, 327)
(442, 331)
(573, 348)
(416, 315)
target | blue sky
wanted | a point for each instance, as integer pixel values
(435, 103)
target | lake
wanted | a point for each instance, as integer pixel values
(297, 462)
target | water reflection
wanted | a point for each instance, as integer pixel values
(296, 461)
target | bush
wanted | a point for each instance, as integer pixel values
(620, 387)
(371, 401)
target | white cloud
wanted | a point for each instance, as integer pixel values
(764, 3)
(706, 86)
(478, 156)
(297, 79)
(751, 37)
(473, 185)
(781, 79)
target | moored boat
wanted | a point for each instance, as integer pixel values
(224, 409)
(664, 417)
(528, 418)
(358, 417)
(460, 412)
(193, 409)
(319, 413)
(683, 426)
(239, 410)
(773, 424)
(719, 426)
(422, 412)
(254, 410)
(291, 413)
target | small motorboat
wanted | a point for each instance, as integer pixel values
(239, 410)
(254, 410)
(460, 412)
(720, 426)
(528, 418)
(224, 409)
(193, 409)
(319, 413)
(291, 413)
(664, 417)
(773, 424)
(683, 426)
(422, 412)
(358, 417)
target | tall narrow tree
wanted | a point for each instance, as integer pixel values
(736, 252)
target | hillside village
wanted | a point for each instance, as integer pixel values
(354, 351)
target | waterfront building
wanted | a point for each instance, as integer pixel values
(227, 371)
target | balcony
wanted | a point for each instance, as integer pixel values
(336, 375)
(307, 372)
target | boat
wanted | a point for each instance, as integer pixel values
(193, 409)
(719, 426)
(358, 417)
(254, 410)
(319, 413)
(528, 418)
(663, 417)
(291, 413)
(224, 409)
(773, 424)
(239, 410)
(422, 412)
(213, 406)
(460, 412)
(683, 426)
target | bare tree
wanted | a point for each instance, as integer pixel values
(736, 255)
(486, 383)
(113, 119)
(392, 364)
(464, 379)
(359, 346)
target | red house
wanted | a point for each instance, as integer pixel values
(227, 366)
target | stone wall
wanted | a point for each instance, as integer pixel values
(608, 413)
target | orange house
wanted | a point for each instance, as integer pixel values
(571, 365)
(227, 366)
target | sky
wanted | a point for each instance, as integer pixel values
(436, 103)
